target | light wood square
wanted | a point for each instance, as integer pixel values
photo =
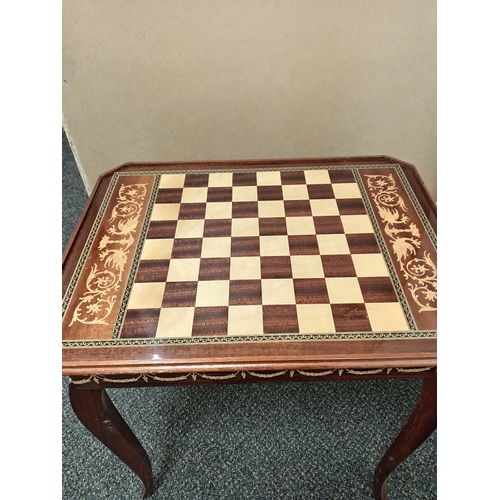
(165, 211)
(324, 207)
(183, 270)
(212, 293)
(160, 248)
(274, 245)
(346, 190)
(245, 193)
(244, 268)
(273, 208)
(216, 247)
(278, 291)
(332, 244)
(268, 178)
(295, 192)
(172, 181)
(300, 225)
(344, 290)
(315, 318)
(194, 195)
(146, 296)
(219, 210)
(317, 177)
(175, 322)
(245, 320)
(369, 265)
(189, 228)
(245, 227)
(307, 266)
(354, 224)
(220, 179)
(387, 316)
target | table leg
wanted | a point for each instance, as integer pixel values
(97, 413)
(420, 425)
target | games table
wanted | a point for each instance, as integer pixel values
(251, 271)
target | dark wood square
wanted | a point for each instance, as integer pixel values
(217, 228)
(338, 176)
(320, 191)
(303, 244)
(192, 211)
(328, 224)
(266, 193)
(293, 177)
(180, 294)
(377, 289)
(169, 195)
(350, 318)
(152, 271)
(245, 292)
(159, 229)
(280, 319)
(214, 269)
(140, 324)
(245, 209)
(187, 248)
(351, 206)
(362, 243)
(272, 226)
(245, 246)
(210, 321)
(276, 267)
(297, 208)
(311, 291)
(338, 266)
(196, 180)
(244, 179)
(216, 194)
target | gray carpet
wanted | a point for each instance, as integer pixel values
(307, 440)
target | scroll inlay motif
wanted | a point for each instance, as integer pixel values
(106, 276)
(405, 239)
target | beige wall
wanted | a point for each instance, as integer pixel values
(162, 80)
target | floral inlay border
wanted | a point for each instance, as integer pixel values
(88, 245)
(405, 239)
(105, 277)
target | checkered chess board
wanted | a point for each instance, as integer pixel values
(259, 253)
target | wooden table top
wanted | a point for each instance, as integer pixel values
(307, 264)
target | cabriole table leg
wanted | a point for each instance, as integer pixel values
(420, 425)
(97, 413)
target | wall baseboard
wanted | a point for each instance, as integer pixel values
(77, 158)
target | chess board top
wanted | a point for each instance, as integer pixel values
(213, 266)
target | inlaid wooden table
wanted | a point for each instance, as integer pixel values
(251, 271)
